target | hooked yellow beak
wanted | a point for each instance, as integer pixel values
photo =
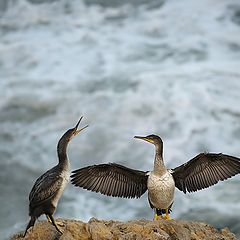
(144, 138)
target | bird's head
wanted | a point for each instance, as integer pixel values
(68, 136)
(154, 139)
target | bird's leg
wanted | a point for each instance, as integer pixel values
(156, 217)
(48, 218)
(155, 214)
(167, 216)
(54, 223)
(58, 223)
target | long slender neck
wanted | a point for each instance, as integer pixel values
(159, 167)
(62, 154)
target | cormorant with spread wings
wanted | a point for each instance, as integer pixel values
(112, 179)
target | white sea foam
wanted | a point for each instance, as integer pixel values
(129, 69)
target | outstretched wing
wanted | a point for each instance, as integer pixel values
(45, 187)
(111, 179)
(205, 170)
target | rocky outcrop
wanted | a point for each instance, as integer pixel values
(141, 229)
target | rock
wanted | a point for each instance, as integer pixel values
(141, 229)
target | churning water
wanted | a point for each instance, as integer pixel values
(170, 68)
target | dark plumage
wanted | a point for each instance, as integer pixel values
(112, 180)
(204, 170)
(48, 188)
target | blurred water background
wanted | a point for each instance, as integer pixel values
(130, 68)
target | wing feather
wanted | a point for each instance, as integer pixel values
(45, 187)
(205, 170)
(111, 179)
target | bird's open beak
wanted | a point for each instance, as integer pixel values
(77, 131)
(144, 138)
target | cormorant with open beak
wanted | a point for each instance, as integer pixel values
(48, 188)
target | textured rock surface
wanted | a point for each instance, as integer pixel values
(141, 229)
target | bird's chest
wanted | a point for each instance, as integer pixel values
(161, 190)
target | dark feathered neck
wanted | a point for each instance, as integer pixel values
(62, 152)
(159, 167)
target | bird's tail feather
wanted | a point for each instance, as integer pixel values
(30, 224)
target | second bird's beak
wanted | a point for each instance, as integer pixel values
(77, 131)
(144, 138)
